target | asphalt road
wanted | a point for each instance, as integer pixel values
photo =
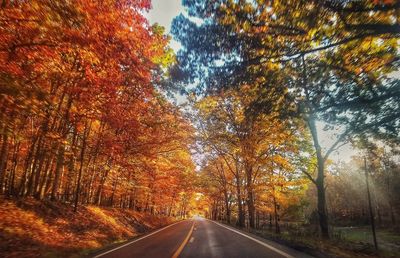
(200, 238)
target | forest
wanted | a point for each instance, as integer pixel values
(273, 92)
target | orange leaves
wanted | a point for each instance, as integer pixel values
(68, 65)
(34, 229)
(246, 153)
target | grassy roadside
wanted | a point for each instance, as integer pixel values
(31, 228)
(354, 242)
(345, 247)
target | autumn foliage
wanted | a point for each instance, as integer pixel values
(87, 124)
(83, 117)
(279, 79)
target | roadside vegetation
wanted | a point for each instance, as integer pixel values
(91, 149)
(32, 228)
(279, 88)
(94, 149)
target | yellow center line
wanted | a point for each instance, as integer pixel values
(180, 249)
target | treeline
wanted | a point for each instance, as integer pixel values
(293, 65)
(347, 192)
(83, 119)
(253, 172)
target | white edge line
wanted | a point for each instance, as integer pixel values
(133, 241)
(255, 240)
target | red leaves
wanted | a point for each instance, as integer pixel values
(79, 77)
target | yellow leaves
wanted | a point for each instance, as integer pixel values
(248, 8)
(246, 26)
(311, 35)
(281, 162)
(90, 57)
(165, 55)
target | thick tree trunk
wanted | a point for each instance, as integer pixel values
(36, 191)
(251, 209)
(227, 208)
(319, 182)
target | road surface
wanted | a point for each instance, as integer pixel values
(200, 238)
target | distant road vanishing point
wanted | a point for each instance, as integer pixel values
(202, 238)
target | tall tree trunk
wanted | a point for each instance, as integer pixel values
(27, 166)
(270, 221)
(250, 196)
(82, 156)
(47, 176)
(113, 192)
(33, 166)
(3, 159)
(227, 207)
(39, 157)
(11, 186)
(99, 191)
(4, 131)
(93, 174)
(171, 204)
(69, 182)
(36, 191)
(132, 200)
(371, 213)
(240, 205)
(276, 215)
(320, 181)
(57, 174)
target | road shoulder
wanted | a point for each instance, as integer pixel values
(272, 245)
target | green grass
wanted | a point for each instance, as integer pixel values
(388, 241)
(352, 242)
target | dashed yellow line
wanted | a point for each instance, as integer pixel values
(180, 249)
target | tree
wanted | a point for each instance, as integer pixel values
(308, 60)
(83, 115)
(245, 142)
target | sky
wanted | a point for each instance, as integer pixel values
(164, 11)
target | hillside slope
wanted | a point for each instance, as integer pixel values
(30, 228)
